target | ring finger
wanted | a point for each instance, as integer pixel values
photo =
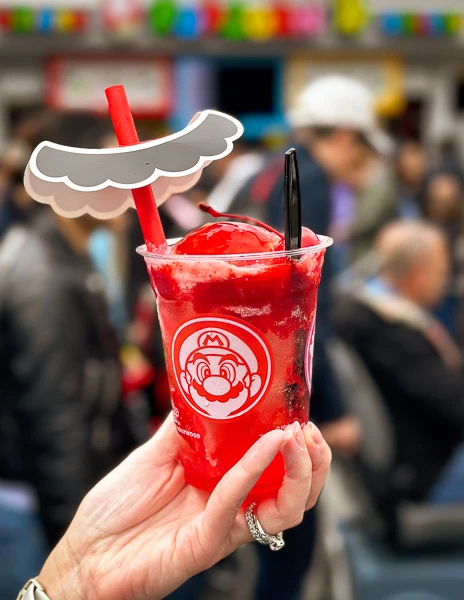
(287, 509)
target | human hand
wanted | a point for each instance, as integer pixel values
(143, 531)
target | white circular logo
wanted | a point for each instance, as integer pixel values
(223, 366)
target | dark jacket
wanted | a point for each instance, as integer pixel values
(424, 397)
(59, 371)
(263, 197)
(326, 402)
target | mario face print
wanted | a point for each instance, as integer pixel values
(222, 366)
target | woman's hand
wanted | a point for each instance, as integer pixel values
(143, 531)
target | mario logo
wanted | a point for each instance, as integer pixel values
(223, 367)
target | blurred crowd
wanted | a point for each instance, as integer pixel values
(82, 376)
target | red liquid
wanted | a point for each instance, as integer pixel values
(235, 335)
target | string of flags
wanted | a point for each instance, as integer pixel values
(24, 20)
(421, 25)
(237, 20)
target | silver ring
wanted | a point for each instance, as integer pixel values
(275, 542)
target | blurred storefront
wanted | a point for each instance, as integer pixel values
(248, 58)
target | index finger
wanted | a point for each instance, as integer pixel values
(287, 509)
(229, 494)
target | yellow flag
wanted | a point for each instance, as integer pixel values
(350, 16)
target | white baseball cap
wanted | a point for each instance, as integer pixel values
(339, 101)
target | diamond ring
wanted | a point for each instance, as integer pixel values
(275, 542)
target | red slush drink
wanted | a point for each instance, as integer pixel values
(237, 315)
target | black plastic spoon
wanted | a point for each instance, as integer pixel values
(292, 202)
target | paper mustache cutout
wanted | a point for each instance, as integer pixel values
(75, 181)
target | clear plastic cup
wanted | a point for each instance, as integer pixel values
(238, 333)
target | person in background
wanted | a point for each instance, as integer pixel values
(375, 203)
(15, 204)
(333, 127)
(61, 425)
(449, 156)
(411, 166)
(107, 246)
(414, 362)
(336, 134)
(443, 204)
(342, 216)
(334, 121)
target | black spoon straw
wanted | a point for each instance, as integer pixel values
(292, 202)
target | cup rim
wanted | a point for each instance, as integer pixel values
(325, 242)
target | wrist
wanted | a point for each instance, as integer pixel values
(61, 576)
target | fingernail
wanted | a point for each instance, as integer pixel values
(316, 435)
(299, 435)
(317, 455)
(288, 434)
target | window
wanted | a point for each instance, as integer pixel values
(246, 89)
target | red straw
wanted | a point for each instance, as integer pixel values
(144, 198)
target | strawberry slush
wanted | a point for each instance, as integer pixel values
(237, 316)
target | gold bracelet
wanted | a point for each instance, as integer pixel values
(32, 590)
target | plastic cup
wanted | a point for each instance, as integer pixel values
(238, 333)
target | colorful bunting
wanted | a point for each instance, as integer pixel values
(24, 20)
(351, 17)
(259, 23)
(307, 21)
(122, 18)
(189, 24)
(213, 17)
(237, 20)
(421, 25)
(232, 27)
(162, 16)
(282, 15)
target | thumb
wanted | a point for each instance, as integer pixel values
(162, 448)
